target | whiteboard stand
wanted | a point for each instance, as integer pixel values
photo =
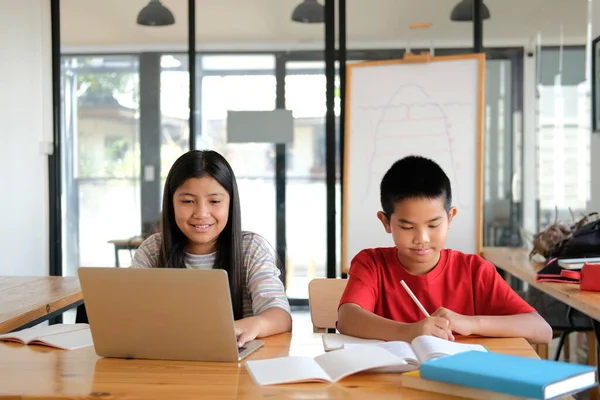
(423, 105)
(422, 57)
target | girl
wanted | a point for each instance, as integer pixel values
(201, 229)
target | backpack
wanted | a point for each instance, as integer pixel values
(552, 242)
(584, 241)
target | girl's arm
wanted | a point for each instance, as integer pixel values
(270, 305)
(147, 254)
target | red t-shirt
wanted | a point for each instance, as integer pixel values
(464, 283)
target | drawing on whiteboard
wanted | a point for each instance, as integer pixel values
(409, 113)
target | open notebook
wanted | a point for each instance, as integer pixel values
(60, 336)
(335, 365)
(421, 349)
(328, 367)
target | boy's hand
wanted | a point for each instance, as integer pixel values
(434, 326)
(461, 324)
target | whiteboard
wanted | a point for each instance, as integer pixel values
(433, 109)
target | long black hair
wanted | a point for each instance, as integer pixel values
(198, 164)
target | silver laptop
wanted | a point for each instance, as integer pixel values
(161, 313)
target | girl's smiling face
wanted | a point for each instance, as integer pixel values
(201, 207)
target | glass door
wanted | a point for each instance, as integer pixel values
(241, 83)
(100, 157)
(306, 189)
(503, 162)
(125, 121)
(563, 135)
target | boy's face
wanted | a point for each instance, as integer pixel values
(419, 228)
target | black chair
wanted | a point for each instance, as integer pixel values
(81, 315)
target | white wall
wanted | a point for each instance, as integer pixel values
(25, 121)
(594, 204)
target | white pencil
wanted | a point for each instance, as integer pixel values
(417, 302)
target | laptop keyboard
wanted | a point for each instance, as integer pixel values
(240, 349)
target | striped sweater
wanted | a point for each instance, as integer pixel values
(263, 288)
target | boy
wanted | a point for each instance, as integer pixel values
(463, 292)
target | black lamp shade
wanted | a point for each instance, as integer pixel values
(309, 11)
(463, 11)
(155, 14)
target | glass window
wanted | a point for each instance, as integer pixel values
(100, 158)
(228, 88)
(174, 111)
(232, 62)
(563, 131)
(306, 191)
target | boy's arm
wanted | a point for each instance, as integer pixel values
(530, 326)
(499, 310)
(355, 321)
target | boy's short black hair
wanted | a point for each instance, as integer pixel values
(414, 177)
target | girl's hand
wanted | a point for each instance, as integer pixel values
(247, 329)
(269, 322)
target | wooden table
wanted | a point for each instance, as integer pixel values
(27, 301)
(35, 371)
(516, 262)
(125, 244)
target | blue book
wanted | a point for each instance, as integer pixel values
(518, 376)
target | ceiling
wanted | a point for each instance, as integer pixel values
(257, 24)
